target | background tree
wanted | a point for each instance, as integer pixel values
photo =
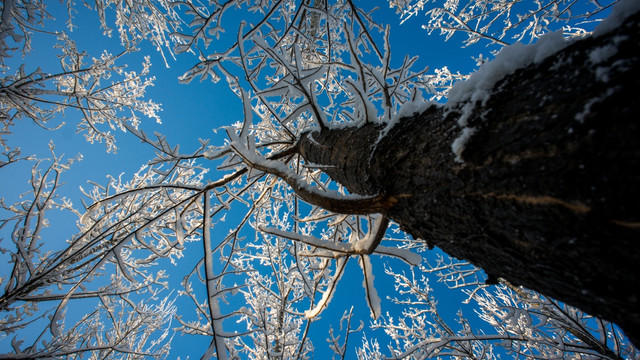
(323, 67)
(120, 325)
(524, 323)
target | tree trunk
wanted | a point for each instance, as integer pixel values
(548, 193)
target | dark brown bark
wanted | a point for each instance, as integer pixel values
(544, 199)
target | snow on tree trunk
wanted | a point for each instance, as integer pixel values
(546, 194)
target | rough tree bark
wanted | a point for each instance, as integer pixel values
(548, 195)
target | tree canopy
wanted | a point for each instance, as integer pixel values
(273, 231)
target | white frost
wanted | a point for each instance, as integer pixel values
(459, 143)
(619, 13)
(478, 87)
(413, 107)
(603, 53)
(581, 116)
(373, 299)
(328, 294)
(405, 255)
(511, 58)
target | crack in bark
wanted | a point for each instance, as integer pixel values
(627, 224)
(575, 206)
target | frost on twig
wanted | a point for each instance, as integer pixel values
(503, 23)
(363, 247)
(345, 325)
(37, 95)
(517, 320)
(46, 282)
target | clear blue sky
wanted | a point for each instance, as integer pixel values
(191, 112)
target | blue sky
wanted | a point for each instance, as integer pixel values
(191, 112)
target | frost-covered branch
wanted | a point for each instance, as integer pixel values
(345, 325)
(39, 95)
(519, 320)
(503, 22)
(43, 281)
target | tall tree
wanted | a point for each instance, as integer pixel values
(533, 177)
(509, 174)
